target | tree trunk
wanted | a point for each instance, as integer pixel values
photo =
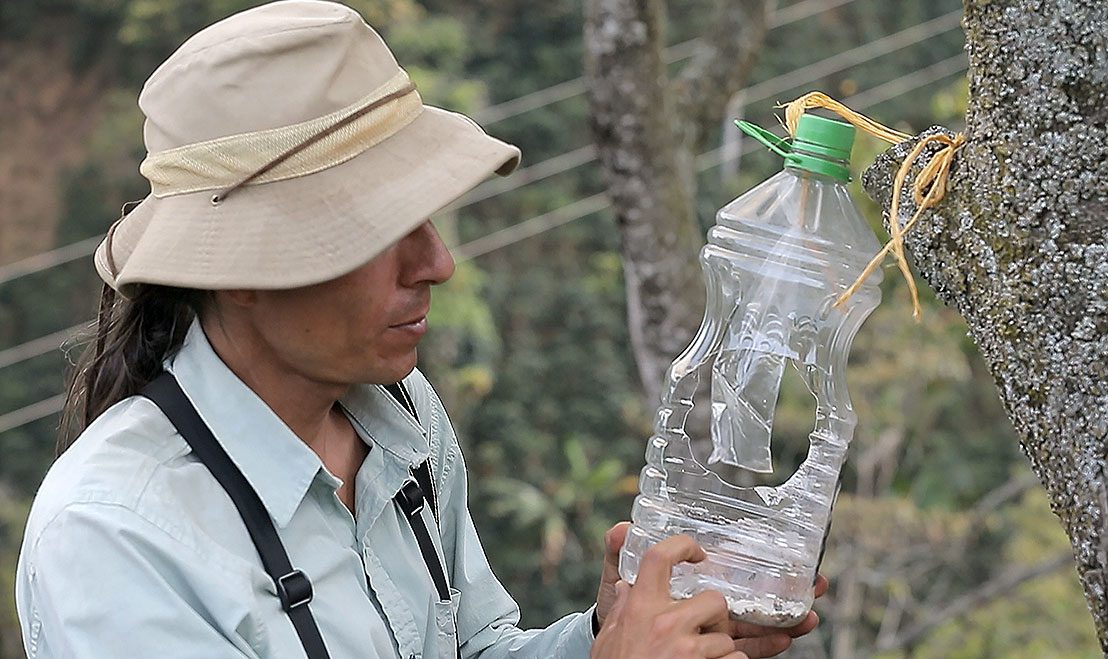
(1020, 246)
(646, 129)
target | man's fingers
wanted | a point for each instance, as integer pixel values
(622, 590)
(713, 645)
(760, 647)
(750, 630)
(805, 626)
(657, 563)
(613, 540)
(705, 611)
(821, 585)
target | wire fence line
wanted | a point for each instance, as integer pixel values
(40, 346)
(31, 413)
(50, 259)
(584, 207)
(755, 93)
(867, 52)
(570, 88)
(492, 114)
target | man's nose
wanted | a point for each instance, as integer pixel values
(427, 258)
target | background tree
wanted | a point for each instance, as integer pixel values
(648, 129)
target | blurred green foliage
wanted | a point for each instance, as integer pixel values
(529, 347)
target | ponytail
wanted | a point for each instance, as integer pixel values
(133, 337)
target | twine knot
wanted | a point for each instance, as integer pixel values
(928, 190)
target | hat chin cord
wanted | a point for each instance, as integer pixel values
(264, 169)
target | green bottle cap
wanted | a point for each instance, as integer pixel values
(822, 146)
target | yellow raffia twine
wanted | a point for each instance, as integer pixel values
(927, 191)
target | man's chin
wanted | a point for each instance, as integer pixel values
(394, 371)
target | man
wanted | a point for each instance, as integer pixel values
(251, 391)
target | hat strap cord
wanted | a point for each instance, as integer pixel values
(350, 118)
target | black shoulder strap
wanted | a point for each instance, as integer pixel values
(422, 474)
(411, 499)
(293, 587)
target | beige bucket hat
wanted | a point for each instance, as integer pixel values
(287, 147)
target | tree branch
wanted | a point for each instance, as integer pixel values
(993, 589)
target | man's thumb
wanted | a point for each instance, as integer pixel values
(613, 541)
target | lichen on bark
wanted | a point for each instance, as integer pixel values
(1020, 246)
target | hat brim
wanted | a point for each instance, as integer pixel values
(310, 229)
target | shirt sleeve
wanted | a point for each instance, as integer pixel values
(488, 617)
(102, 581)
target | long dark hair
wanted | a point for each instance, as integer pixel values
(132, 337)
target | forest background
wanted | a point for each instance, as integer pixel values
(942, 543)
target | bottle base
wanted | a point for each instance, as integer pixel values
(757, 590)
(789, 614)
(766, 610)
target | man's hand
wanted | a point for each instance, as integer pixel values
(645, 621)
(756, 641)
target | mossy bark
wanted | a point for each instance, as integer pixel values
(1020, 246)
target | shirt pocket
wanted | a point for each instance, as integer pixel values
(446, 613)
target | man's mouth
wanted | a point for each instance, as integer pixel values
(416, 324)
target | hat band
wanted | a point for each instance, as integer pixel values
(226, 161)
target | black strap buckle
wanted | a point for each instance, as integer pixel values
(410, 498)
(294, 589)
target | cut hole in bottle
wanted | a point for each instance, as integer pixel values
(791, 414)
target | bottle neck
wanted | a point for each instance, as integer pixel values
(817, 164)
(822, 177)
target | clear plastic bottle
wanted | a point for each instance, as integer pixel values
(776, 261)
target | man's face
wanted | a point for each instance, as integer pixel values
(364, 326)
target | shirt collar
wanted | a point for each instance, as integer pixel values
(277, 464)
(402, 438)
(388, 423)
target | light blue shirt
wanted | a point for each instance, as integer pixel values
(133, 550)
